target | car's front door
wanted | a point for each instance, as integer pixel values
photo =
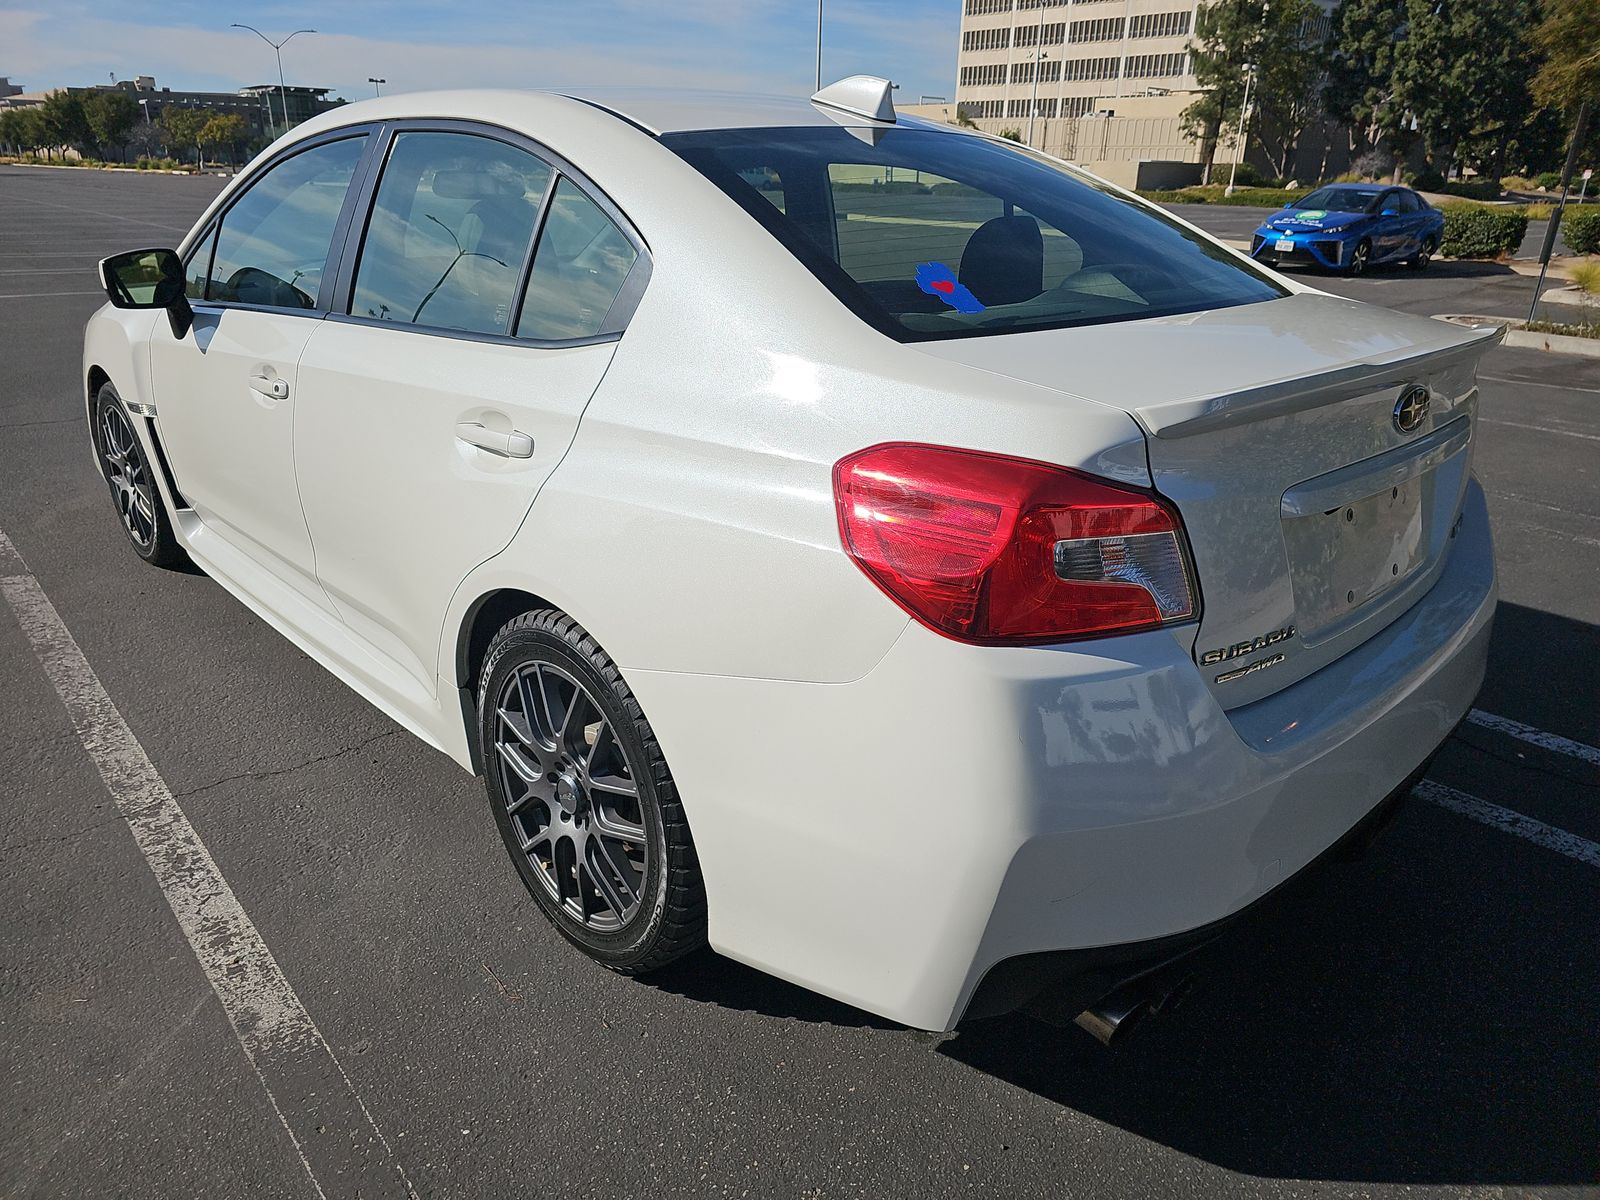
(433, 408)
(225, 391)
(1388, 236)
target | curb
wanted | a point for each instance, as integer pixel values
(1554, 343)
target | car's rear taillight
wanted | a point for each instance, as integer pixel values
(986, 548)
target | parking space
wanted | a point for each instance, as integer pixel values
(1421, 1020)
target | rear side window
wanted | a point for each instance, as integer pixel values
(931, 234)
(1409, 202)
(449, 232)
(578, 269)
(273, 245)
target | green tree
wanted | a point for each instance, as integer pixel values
(1569, 39)
(184, 127)
(111, 117)
(1360, 92)
(227, 131)
(64, 121)
(1462, 73)
(1234, 36)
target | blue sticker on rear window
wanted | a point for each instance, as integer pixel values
(939, 280)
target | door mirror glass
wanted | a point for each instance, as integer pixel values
(1391, 211)
(143, 278)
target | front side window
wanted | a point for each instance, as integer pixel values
(578, 269)
(928, 234)
(274, 241)
(449, 232)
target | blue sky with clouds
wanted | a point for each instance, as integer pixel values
(753, 45)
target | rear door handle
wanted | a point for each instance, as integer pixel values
(269, 385)
(515, 444)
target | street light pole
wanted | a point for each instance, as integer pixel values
(1244, 127)
(1033, 105)
(376, 90)
(277, 49)
(819, 45)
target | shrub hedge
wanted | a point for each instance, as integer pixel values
(1581, 228)
(1245, 197)
(1477, 231)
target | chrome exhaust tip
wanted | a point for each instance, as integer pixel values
(1110, 1019)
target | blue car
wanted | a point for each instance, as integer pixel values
(1349, 227)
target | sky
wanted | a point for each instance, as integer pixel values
(743, 45)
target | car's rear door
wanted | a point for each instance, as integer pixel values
(448, 385)
(226, 390)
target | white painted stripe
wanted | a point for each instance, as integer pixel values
(37, 295)
(95, 212)
(1535, 737)
(1560, 387)
(1503, 819)
(1588, 437)
(327, 1122)
(50, 271)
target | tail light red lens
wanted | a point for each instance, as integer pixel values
(987, 548)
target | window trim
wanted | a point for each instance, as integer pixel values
(622, 307)
(207, 234)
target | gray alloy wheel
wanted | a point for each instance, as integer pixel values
(1360, 258)
(127, 472)
(583, 798)
(128, 476)
(571, 796)
(1424, 254)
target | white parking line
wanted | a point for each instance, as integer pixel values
(37, 295)
(1507, 821)
(1589, 437)
(1560, 387)
(332, 1132)
(1534, 737)
(94, 212)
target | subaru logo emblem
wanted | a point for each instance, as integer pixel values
(1410, 409)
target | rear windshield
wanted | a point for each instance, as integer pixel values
(929, 234)
(1341, 199)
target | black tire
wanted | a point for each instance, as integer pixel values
(1424, 255)
(669, 920)
(1360, 259)
(130, 475)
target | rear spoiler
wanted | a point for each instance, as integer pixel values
(1203, 414)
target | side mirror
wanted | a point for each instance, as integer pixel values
(148, 279)
(1390, 212)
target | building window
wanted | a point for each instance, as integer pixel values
(981, 110)
(1021, 108)
(1091, 68)
(1076, 106)
(978, 8)
(1049, 71)
(1102, 29)
(986, 75)
(1026, 5)
(1164, 24)
(1157, 66)
(1048, 35)
(986, 39)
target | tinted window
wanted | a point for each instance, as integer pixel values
(578, 269)
(1410, 203)
(1340, 199)
(930, 234)
(449, 232)
(274, 242)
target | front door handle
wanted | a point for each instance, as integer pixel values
(270, 385)
(515, 444)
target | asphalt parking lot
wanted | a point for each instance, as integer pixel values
(1422, 1021)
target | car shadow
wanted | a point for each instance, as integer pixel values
(1391, 1026)
(1439, 268)
(708, 978)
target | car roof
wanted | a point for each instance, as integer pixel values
(673, 110)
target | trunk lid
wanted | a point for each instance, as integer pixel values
(1316, 512)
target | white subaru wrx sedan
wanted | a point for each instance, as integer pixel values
(909, 564)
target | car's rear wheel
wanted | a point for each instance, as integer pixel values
(1424, 255)
(583, 797)
(1360, 258)
(127, 471)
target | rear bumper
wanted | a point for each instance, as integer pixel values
(890, 841)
